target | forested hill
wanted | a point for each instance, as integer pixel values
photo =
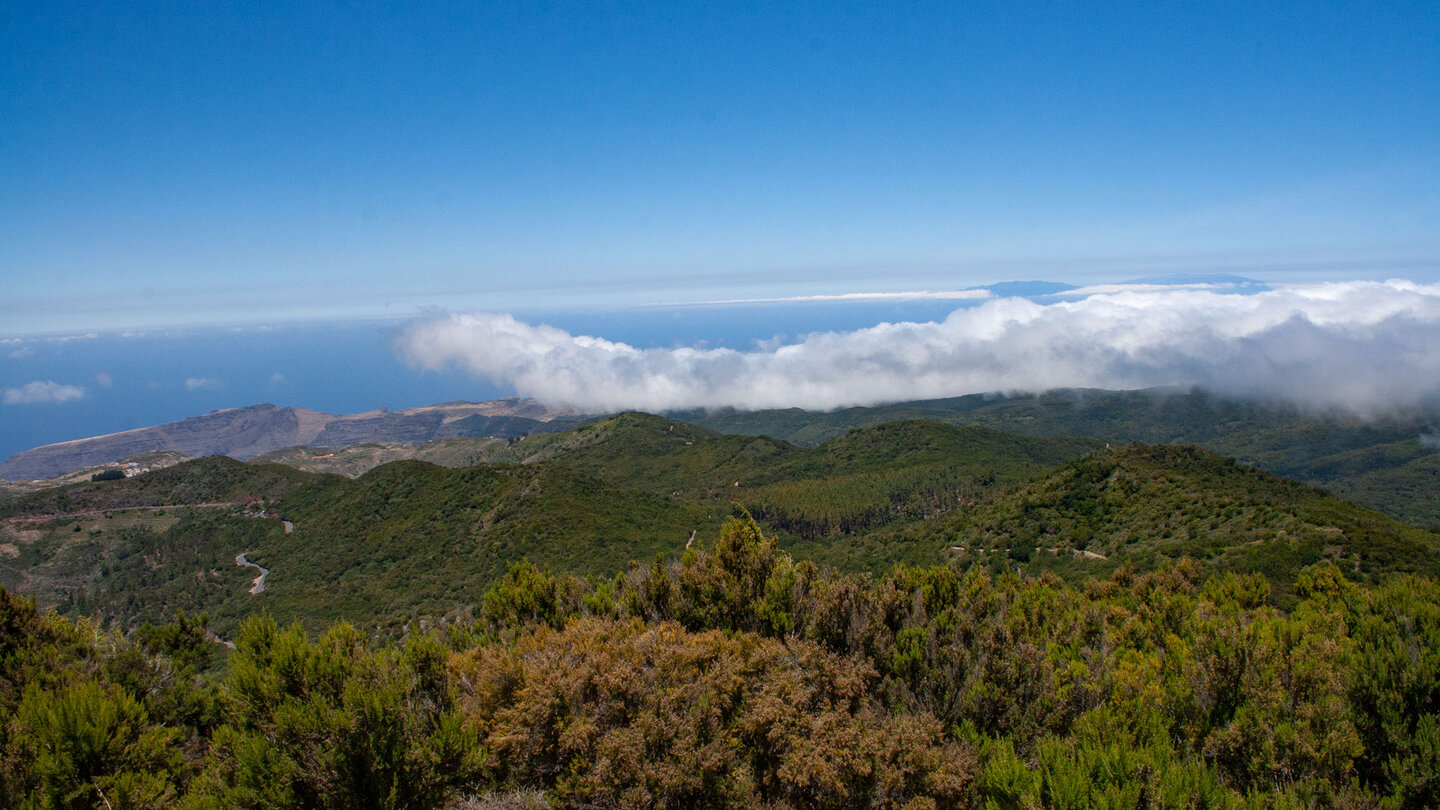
(409, 540)
(1389, 464)
(1142, 505)
(1392, 465)
(912, 615)
(665, 455)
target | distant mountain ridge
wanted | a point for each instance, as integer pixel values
(1389, 465)
(244, 433)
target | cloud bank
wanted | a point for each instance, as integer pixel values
(42, 392)
(971, 294)
(1371, 348)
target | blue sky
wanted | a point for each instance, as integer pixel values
(357, 205)
(227, 163)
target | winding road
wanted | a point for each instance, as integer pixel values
(259, 584)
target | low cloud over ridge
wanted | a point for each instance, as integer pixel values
(1372, 348)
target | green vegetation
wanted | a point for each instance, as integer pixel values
(1382, 465)
(643, 613)
(739, 676)
(409, 541)
(1141, 505)
(333, 723)
(358, 459)
(212, 480)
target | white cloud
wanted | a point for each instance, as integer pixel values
(104, 380)
(915, 295)
(1367, 347)
(202, 384)
(42, 392)
(23, 351)
(1142, 287)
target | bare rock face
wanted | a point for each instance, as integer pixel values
(244, 433)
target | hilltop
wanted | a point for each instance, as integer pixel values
(1149, 505)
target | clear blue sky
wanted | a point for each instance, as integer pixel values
(215, 162)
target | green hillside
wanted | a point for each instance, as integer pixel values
(211, 480)
(1380, 464)
(893, 474)
(357, 459)
(1216, 636)
(412, 539)
(145, 547)
(834, 499)
(662, 456)
(1147, 504)
(406, 539)
(409, 539)
(1401, 479)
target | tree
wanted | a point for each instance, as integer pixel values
(335, 724)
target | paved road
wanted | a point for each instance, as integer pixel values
(259, 584)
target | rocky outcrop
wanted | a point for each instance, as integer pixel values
(244, 433)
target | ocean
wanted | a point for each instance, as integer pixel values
(148, 377)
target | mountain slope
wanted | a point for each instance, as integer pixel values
(410, 539)
(358, 459)
(1386, 465)
(243, 432)
(252, 431)
(1142, 504)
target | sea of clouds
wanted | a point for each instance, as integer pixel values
(1368, 348)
